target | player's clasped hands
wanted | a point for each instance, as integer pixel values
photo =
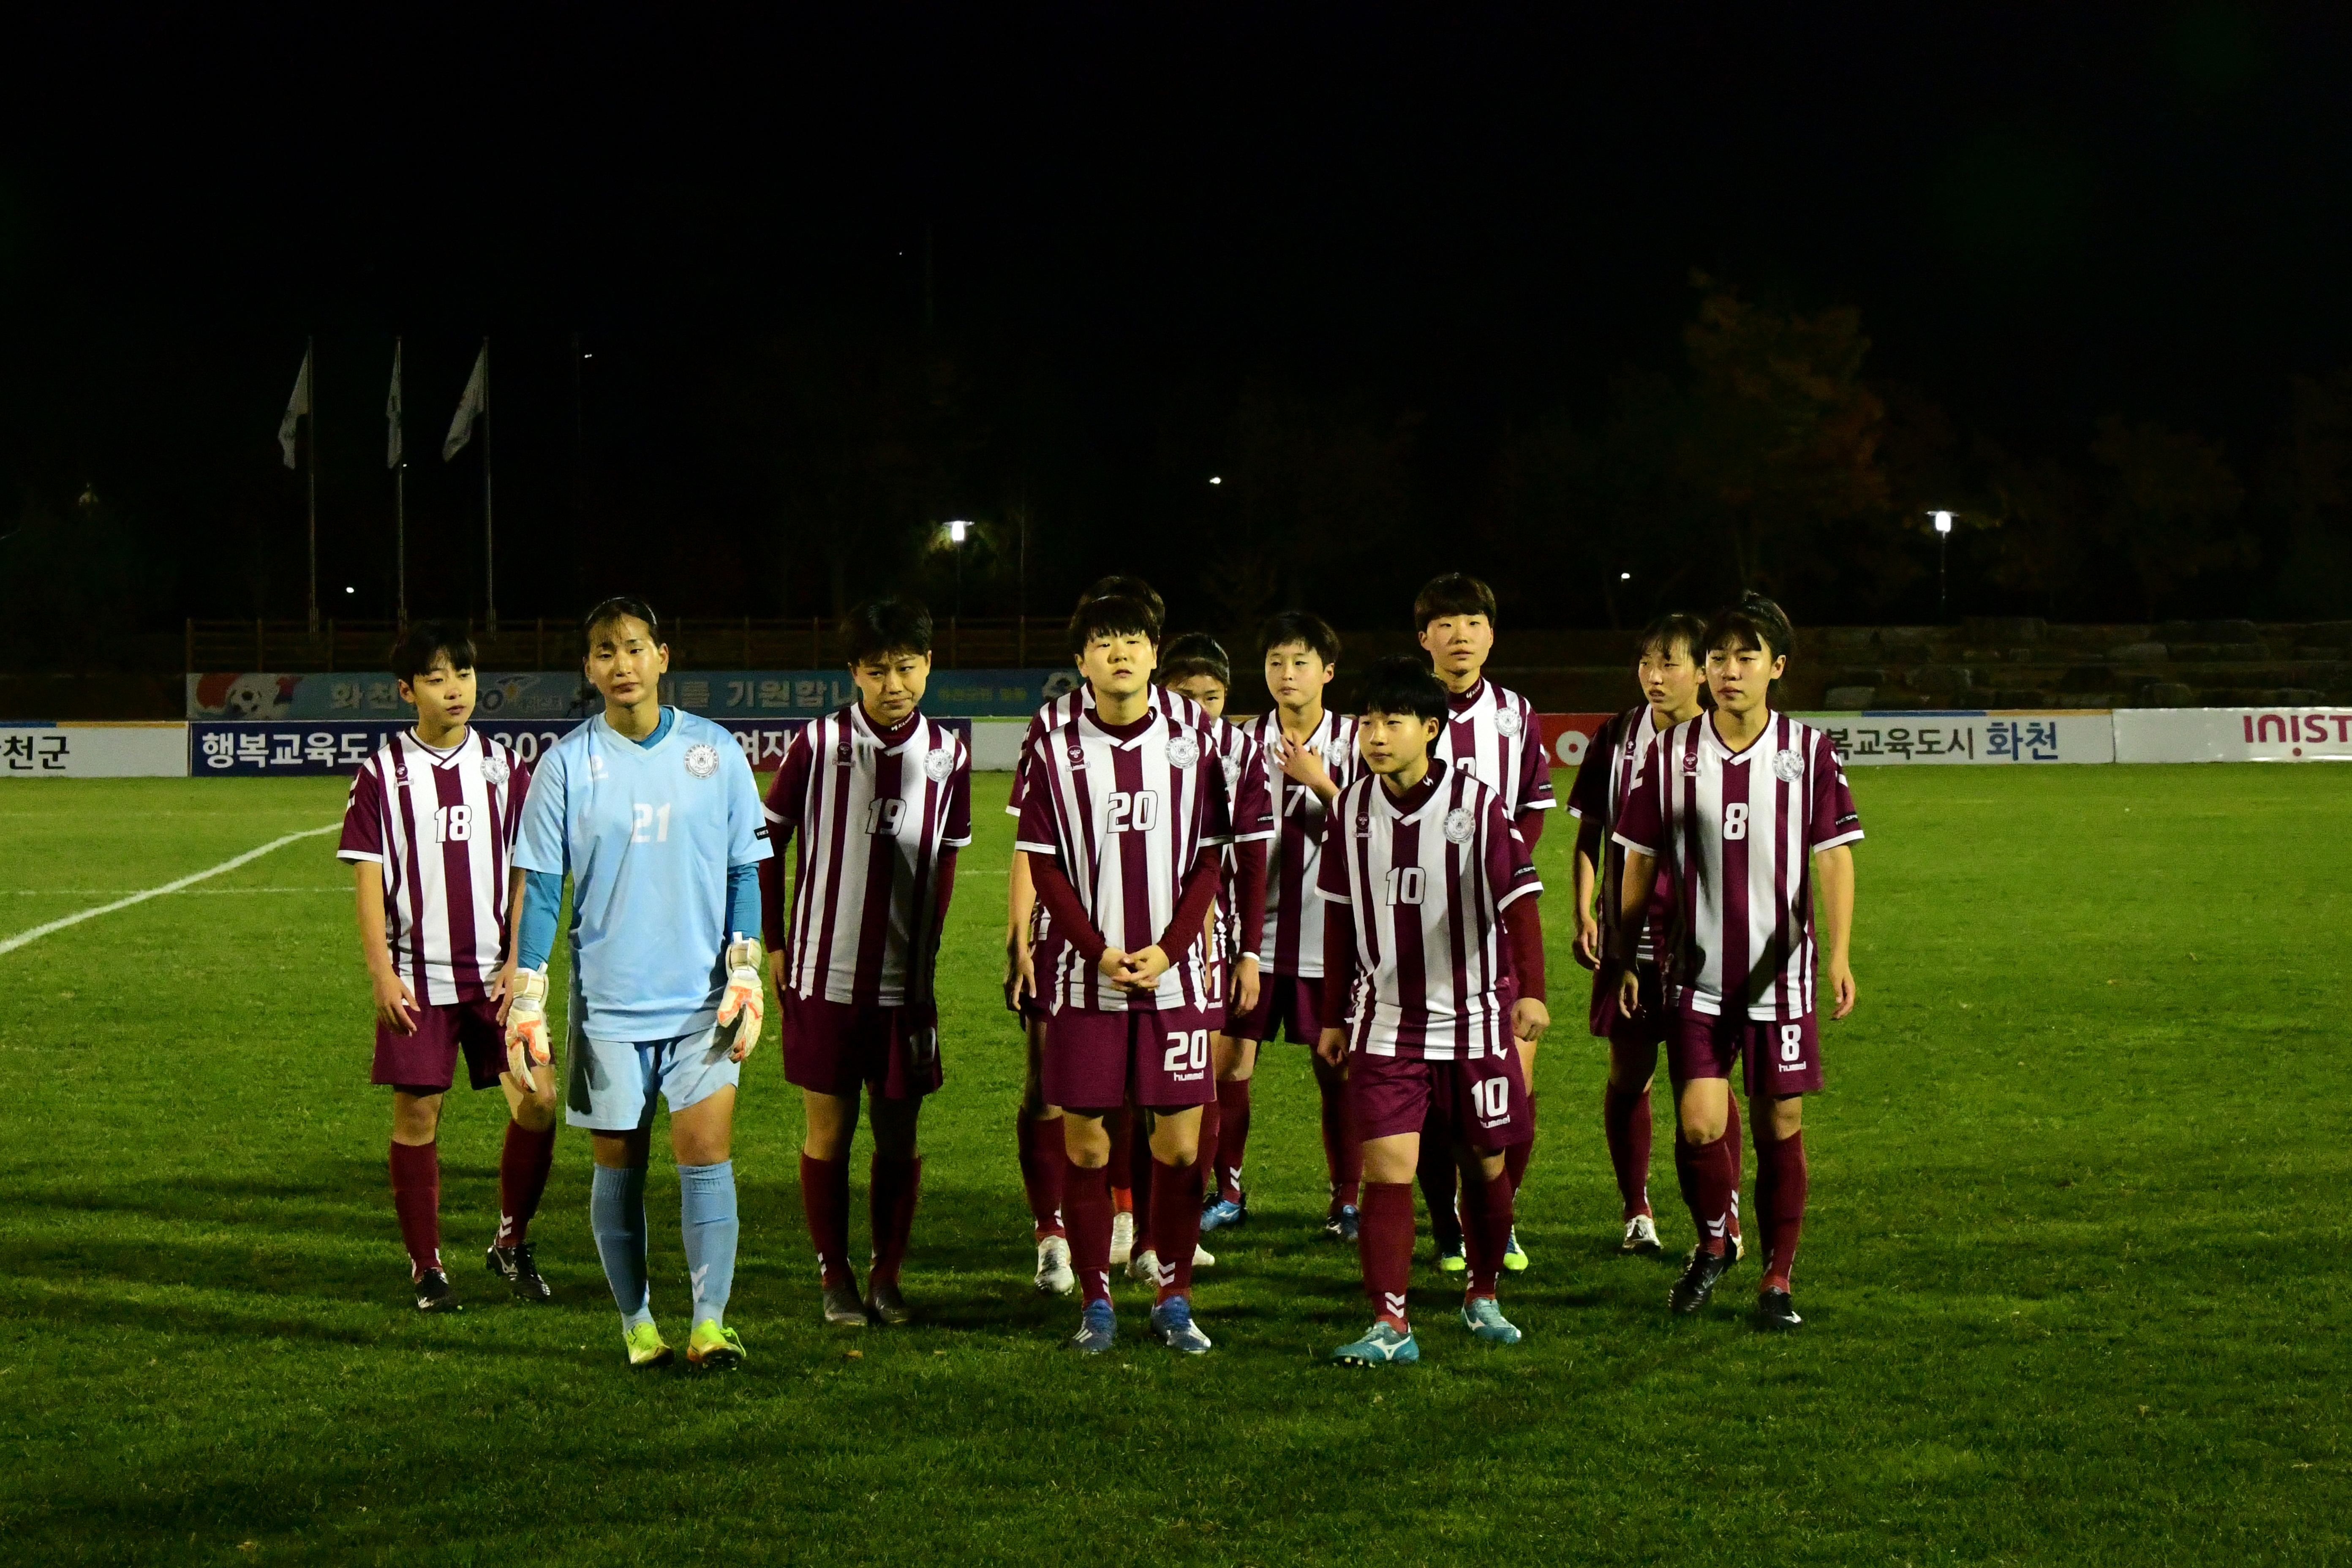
(1138, 971)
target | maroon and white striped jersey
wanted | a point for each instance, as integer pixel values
(1127, 817)
(1080, 699)
(442, 824)
(1737, 832)
(1426, 878)
(1612, 764)
(874, 809)
(1293, 945)
(1249, 795)
(1495, 735)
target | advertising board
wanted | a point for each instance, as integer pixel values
(1966, 737)
(94, 751)
(542, 695)
(276, 748)
(2233, 735)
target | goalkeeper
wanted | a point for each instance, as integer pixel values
(654, 814)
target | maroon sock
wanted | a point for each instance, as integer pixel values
(1731, 1159)
(891, 1187)
(1343, 1152)
(1486, 1208)
(1176, 1223)
(824, 1198)
(1211, 1139)
(1781, 1181)
(1086, 1205)
(1705, 1176)
(1441, 1191)
(1384, 1247)
(1626, 1122)
(1121, 1125)
(523, 1165)
(417, 1199)
(1515, 1158)
(1042, 1162)
(1233, 1139)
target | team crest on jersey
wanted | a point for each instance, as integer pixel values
(1182, 750)
(1460, 825)
(494, 768)
(1233, 774)
(702, 759)
(1787, 766)
(1506, 722)
(939, 764)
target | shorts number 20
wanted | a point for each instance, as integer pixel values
(1187, 1052)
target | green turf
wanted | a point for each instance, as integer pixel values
(2074, 1261)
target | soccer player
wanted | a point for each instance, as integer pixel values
(429, 831)
(1427, 881)
(881, 797)
(1748, 811)
(1668, 670)
(1314, 751)
(656, 817)
(1122, 821)
(1196, 666)
(1494, 735)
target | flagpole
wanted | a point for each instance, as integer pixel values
(309, 348)
(489, 547)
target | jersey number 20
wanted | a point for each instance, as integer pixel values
(1135, 811)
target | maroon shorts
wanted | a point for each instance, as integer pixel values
(1649, 1024)
(1286, 1003)
(1782, 1057)
(1098, 1061)
(1482, 1102)
(834, 1046)
(428, 1059)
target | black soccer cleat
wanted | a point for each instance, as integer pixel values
(434, 1295)
(1775, 1313)
(513, 1264)
(1700, 1276)
(1342, 1224)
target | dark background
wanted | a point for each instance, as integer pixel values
(1621, 311)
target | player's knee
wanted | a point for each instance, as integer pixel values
(1785, 1116)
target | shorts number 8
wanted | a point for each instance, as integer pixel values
(1793, 1042)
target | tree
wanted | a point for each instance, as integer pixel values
(2171, 507)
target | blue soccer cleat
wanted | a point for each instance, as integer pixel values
(1342, 1224)
(1383, 1345)
(1173, 1321)
(1483, 1318)
(1220, 1213)
(1097, 1329)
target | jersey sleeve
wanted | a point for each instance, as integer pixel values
(1641, 828)
(1331, 880)
(788, 792)
(363, 836)
(1835, 821)
(1019, 797)
(1535, 762)
(1510, 869)
(543, 845)
(1254, 796)
(749, 842)
(1036, 831)
(1216, 801)
(1588, 796)
(958, 822)
(518, 791)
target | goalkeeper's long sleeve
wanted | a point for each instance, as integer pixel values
(543, 901)
(743, 900)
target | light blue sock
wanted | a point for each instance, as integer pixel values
(705, 1211)
(617, 1215)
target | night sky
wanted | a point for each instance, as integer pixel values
(1428, 233)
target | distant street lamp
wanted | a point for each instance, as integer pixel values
(958, 532)
(1943, 521)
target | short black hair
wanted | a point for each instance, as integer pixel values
(1674, 626)
(1754, 622)
(1403, 684)
(1119, 585)
(1286, 627)
(1194, 653)
(879, 628)
(1454, 593)
(426, 641)
(612, 610)
(1114, 616)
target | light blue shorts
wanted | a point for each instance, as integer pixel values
(613, 1084)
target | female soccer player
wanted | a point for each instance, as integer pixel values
(656, 817)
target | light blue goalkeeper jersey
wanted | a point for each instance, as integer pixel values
(647, 834)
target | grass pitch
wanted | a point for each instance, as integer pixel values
(2073, 1274)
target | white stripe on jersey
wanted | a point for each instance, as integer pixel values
(1248, 794)
(1080, 699)
(1498, 740)
(1293, 943)
(1637, 733)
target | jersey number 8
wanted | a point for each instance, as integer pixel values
(1735, 819)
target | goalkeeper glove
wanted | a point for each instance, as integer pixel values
(527, 1046)
(745, 997)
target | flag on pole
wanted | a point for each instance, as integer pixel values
(297, 407)
(471, 407)
(393, 452)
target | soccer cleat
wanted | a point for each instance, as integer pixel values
(1642, 1236)
(513, 1264)
(1220, 1213)
(1515, 1257)
(1451, 1258)
(884, 1304)
(1775, 1312)
(644, 1345)
(1097, 1329)
(1173, 1321)
(1202, 1258)
(1700, 1276)
(1144, 1264)
(1735, 1246)
(434, 1295)
(1341, 1224)
(1055, 1276)
(1383, 1345)
(843, 1308)
(714, 1349)
(1122, 1237)
(1483, 1318)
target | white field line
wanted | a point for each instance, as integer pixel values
(115, 892)
(21, 938)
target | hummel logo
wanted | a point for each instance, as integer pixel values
(1394, 1301)
(1716, 1226)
